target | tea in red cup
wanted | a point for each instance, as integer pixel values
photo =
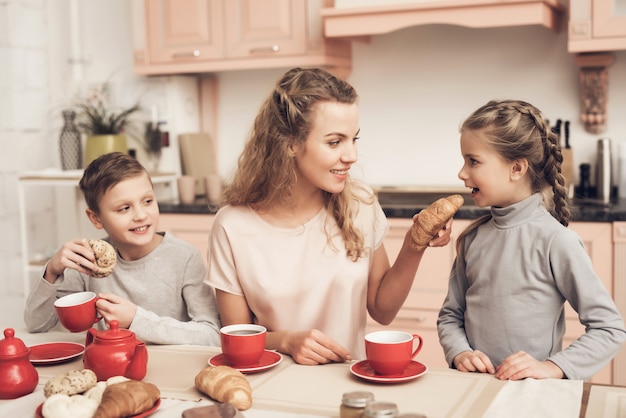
(243, 344)
(77, 311)
(391, 352)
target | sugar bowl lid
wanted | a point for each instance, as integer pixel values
(10, 346)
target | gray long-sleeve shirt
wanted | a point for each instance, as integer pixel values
(507, 294)
(174, 305)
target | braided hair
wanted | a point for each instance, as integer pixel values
(516, 130)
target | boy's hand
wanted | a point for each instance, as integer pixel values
(474, 361)
(75, 254)
(112, 307)
(522, 365)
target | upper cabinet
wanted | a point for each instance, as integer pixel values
(201, 36)
(597, 25)
(353, 20)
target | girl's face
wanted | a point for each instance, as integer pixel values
(330, 149)
(129, 213)
(493, 180)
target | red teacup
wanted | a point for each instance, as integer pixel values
(77, 311)
(390, 352)
(243, 344)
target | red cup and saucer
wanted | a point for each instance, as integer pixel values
(243, 349)
(390, 357)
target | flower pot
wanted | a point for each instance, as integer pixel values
(97, 145)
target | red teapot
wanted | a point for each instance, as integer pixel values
(115, 352)
(18, 377)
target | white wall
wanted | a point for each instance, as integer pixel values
(416, 87)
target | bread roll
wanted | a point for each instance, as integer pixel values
(225, 384)
(70, 383)
(432, 219)
(126, 399)
(106, 257)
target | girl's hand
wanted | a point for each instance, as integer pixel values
(112, 307)
(313, 347)
(474, 361)
(75, 254)
(522, 365)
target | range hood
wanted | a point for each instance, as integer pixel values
(361, 22)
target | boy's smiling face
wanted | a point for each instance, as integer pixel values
(129, 214)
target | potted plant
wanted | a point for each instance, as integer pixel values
(105, 128)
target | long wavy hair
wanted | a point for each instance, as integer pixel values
(266, 169)
(516, 130)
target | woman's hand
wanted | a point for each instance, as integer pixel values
(474, 361)
(443, 237)
(112, 307)
(522, 365)
(310, 347)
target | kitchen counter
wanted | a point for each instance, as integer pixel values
(582, 212)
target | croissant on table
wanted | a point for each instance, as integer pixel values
(126, 399)
(225, 384)
(432, 219)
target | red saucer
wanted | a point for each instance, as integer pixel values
(53, 353)
(141, 415)
(363, 370)
(268, 360)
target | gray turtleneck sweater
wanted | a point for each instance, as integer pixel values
(507, 294)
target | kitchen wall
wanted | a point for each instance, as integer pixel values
(416, 86)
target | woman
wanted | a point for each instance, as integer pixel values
(298, 248)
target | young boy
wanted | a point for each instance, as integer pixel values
(156, 288)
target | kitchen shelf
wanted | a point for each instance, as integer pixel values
(67, 179)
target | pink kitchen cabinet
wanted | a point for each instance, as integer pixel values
(420, 310)
(597, 25)
(193, 228)
(204, 36)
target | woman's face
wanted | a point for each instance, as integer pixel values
(330, 149)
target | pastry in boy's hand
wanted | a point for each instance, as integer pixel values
(432, 219)
(106, 257)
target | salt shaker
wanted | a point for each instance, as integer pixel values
(381, 410)
(353, 404)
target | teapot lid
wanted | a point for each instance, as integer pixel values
(115, 333)
(11, 346)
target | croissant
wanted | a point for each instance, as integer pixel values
(225, 384)
(430, 220)
(126, 399)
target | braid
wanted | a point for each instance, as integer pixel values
(551, 165)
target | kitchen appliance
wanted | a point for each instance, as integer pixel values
(604, 171)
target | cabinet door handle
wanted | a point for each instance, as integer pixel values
(194, 53)
(273, 48)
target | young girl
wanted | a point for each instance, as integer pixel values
(504, 312)
(298, 248)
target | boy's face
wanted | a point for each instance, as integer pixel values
(129, 214)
